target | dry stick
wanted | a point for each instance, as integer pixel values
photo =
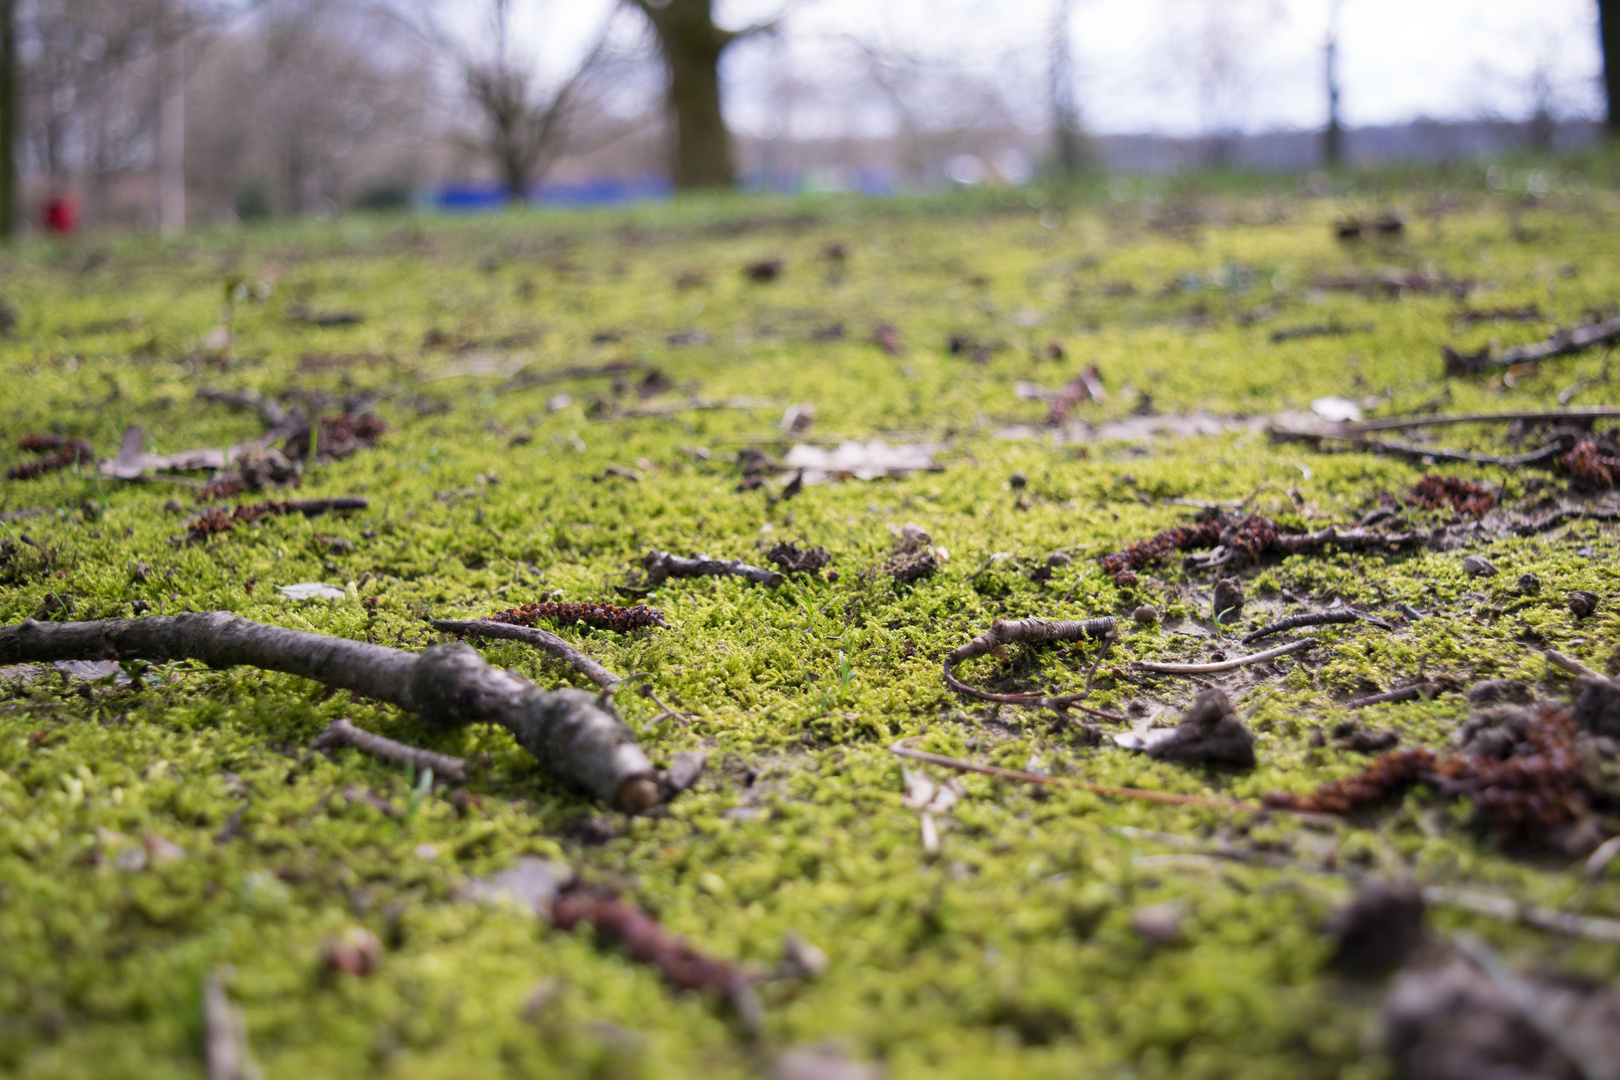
(545, 641)
(900, 749)
(1405, 693)
(1033, 632)
(1407, 423)
(576, 736)
(1414, 450)
(342, 732)
(225, 1050)
(661, 566)
(1571, 665)
(1471, 900)
(1561, 343)
(1225, 665)
(1313, 618)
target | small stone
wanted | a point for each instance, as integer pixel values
(1209, 733)
(131, 860)
(1528, 584)
(174, 506)
(827, 1062)
(1478, 566)
(1158, 924)
(802, 959)
(1018, 481)
(161, 850)
(1146, 615)
(1582, 602)
(355, 951)
(1490, 691)
(1379, 929)
(1228, 599)
(141, 571)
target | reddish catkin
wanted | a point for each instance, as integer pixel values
(218, 519)
(1588, 464)
(1453, 492)
(1123, 564)
(601, 616)
(647, 942)
(1541, 786)
(66, 453)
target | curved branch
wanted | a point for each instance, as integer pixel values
(573, 734)
(547, 642)
(1225, 665)
(1033, 632)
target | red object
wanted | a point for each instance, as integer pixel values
(62, 214)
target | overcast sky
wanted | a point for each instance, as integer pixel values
(1167, 66)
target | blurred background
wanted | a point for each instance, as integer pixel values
(159, 114)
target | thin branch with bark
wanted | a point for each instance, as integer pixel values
(661, 566)
(342, 732)
(1561, 343)
(1034, 632)
(575, 735)
(547, 642)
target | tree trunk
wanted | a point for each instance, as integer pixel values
(10, 108)
(1609, 35)
(172, 143)
(1333, 135)
(691, 44)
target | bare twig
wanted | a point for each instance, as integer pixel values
(646, 412)
(900, 749)
(1427, 453)
(225, 1049)
(1405, 693)
(342, 732)
(1584, 414)
(1224, 665)
(1571, 665)
(1033, 632)
(661, 566)
(1313, 618)
(574, 734)
(1561, 343)
(544, 640)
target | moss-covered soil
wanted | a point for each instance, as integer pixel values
(1010, 951)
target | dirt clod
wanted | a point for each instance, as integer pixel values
(1479, 566)
(1209, 733)
(1582, 603)
(1379, 929)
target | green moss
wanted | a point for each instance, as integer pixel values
(1012, 950)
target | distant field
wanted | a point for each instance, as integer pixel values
(563, 393)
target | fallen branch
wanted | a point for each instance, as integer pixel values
(647, 412)
(1314, 618)
(1224, 665)
(661, 566)
(342, 732)
(573, 734)
(646, 941)
(1033, 632)
(547, 642)
(1561, 343)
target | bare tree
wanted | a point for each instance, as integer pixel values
(10, 87)
(526, 126)
(1216, 49)
(691, 45)
(1071, 152)
(1609, 37)
(1333, 134)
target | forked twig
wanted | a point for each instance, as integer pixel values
(1034, 632)
(1313, 618)
(574, 734)
(661, 566)
(1225, 665)
(342, 732)
(547, 642)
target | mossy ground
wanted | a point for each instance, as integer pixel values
(1011, 953)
